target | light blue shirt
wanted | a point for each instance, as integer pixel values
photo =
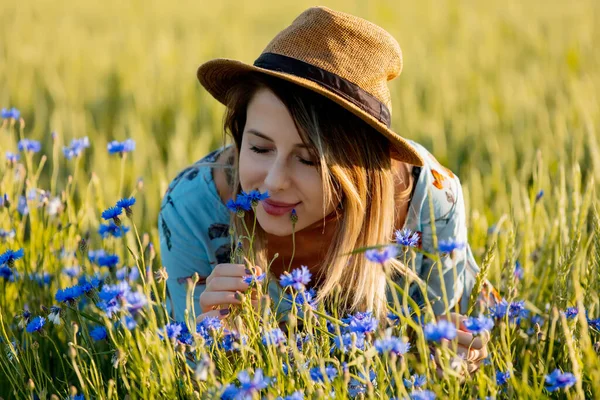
(194, 234)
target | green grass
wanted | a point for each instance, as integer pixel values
(505, 94)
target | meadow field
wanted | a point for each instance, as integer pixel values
(506, 94)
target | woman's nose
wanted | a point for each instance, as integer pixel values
(277, 178)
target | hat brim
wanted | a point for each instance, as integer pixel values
(218, 75)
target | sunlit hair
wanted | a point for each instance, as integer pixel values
(357, 176)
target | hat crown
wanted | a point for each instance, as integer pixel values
(348, 46)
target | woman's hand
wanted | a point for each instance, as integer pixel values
(473, 349)
(224, 287)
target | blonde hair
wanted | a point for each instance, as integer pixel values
(356, 170)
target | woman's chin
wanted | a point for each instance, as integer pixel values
(275, 225)
(275, 228)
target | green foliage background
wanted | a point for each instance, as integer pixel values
(491, 88)
(504, 93)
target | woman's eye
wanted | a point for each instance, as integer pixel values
(259, 150)
(303, 161)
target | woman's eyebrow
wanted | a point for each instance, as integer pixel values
(262, 135)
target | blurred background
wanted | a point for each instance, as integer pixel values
(504, 93)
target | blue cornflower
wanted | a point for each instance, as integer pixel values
(112, 213)
(127, 273)
(41, 278)
(9, 257)
(519, 270)
(443, 329)
(69, 295)
(393, 345)
(395, 319)
(6, 272)
(539, 195)
(36, 324)
(294, 216)
(249, 386)
(297, 395)
(406, 237)
(29, 145)
(232, 340)
(361, 322)
(11, 113)
(171, 331)
(255, 196)
(300, 340)
(110, 307)
(112, 229)
(516, 310)
(126, 204)
(135, 301)
(415, 381)
(537, 319)
(129, 322)
(116, 147)
(207, 327)
(88, 285)
(306, 296)
(10, 234)
(76, 147)
(250, 279)
(448, 246)
(344, 343)
(22, 206)
(211, 323)
(114, 292)
(558, 380)
(499, 310)
(298, 279)
(107, 260)
(357, 388)
(72, 272)
(381, 256)
(231, 392)
(594, 323)
(571, 312)
(478, 325)
(12, 157)
(239, 205)
(273, 337)
(422, 395)
(54, 315)
(502, 377)
(93, 255)
(98, 333)
(317, 375)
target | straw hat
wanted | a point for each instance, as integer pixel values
(343, 57)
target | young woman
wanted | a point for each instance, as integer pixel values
(310, 123)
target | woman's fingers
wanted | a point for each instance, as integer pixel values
(455, 318)
(227, 283)
(463, 335)
(475, 342)
(210, 299)
(232, 270)
(469, 354)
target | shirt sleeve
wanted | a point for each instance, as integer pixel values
(183, 253)
(457, 270)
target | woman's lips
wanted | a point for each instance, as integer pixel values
(272, 208)
(279, 203)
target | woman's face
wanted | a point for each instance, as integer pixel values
(274, 159)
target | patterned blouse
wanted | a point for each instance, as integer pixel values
(194, 234)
